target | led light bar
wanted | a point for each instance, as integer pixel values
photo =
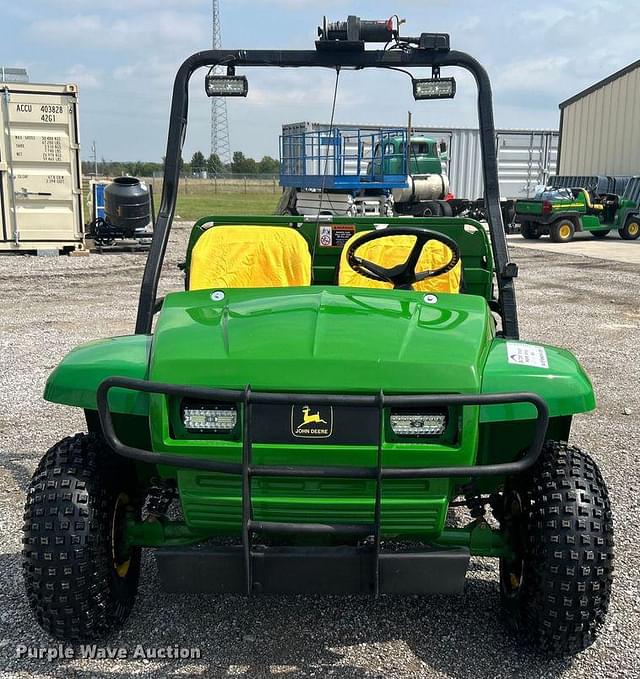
(209, 418)
(418, 424)
(226, 85)
(434, 88)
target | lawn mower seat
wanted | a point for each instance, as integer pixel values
(249, 257)
(394, 250)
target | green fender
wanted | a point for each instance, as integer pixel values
(519, 366)
(563, 384)
(75, 381)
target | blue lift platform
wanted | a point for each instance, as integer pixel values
(342, 160)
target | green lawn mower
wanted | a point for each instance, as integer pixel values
(582, 204)
(303, 416)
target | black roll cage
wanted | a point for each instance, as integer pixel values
(409, 57)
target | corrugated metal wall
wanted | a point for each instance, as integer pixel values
(601, 131)
(526, 158)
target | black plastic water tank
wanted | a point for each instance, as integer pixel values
(126, 204)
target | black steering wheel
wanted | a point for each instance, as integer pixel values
(404, 275)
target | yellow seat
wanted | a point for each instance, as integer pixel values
(249, 257)
(393, 250)
(596, 207)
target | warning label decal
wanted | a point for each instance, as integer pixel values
(527, 354)
(334, 235)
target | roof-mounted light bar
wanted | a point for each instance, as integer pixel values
(230, 85)
(434, 88)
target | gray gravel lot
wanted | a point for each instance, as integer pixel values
(587, 305)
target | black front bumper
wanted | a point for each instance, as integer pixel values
(312, 570)
(386, 572)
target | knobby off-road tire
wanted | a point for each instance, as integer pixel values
(79, 583)
(558, 518)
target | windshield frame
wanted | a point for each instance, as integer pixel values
(335, 58)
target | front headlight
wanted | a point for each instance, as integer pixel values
(416, 423)
(209, 418)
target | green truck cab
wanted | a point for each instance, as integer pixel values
(305, 415)
(424, 156)
(560, 213)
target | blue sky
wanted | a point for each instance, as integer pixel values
(123, 55)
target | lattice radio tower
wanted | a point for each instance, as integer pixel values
(219, 123)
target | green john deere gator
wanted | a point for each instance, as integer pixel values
(582, 204)
(304, 414)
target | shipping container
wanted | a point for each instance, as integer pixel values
(526, 158)
(40, 174)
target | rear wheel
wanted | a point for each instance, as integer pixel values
(562, 231)
(556, 587)
(529, 231)
(600, 234)
(631, 230)
(80, 578)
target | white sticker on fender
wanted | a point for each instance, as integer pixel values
(527, 354)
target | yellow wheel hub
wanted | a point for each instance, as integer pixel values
(565, 231)
(633, 229)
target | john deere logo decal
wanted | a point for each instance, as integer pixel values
(311, 422)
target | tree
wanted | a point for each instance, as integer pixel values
(198, 163)
(243, 165)
(268, 165)
(214, 164)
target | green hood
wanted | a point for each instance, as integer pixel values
(322, 339)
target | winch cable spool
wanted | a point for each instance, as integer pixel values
(326, 160)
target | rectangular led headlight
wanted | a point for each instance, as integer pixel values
(205, 418)
(434, 88)
(226, 85)
(405, 423)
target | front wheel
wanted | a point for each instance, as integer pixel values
(556, 586)
(631, 230)
(81, 579)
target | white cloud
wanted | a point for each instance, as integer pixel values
(294, 4)
(83, 77)
(538, 79)
(156, 30)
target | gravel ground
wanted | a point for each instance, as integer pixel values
(587, 305)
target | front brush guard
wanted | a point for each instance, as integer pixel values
(247, 469)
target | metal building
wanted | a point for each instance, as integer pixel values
(600, 127)
(526, 158)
